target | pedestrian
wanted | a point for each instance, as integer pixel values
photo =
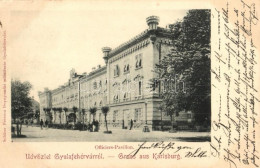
(26, 123)
(97, 125)
(94, 125)
(41, 123)
(131, 124)
(91, 127)
(46, 124)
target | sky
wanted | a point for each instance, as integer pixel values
(48, 42)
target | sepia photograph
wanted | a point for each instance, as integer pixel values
(129, 83)
(145, 79)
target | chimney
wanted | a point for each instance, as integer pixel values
(106, 51)
(99, 66)
(94, 68)
(152, 22)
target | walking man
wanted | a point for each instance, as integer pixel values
(41, 123)
(131, 124)
(46, 124)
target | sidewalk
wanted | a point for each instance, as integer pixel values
(35, 134)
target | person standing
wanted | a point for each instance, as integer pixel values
(46, 124)
(97, 126)
(131, 124)
(41, 123)
(94, 126)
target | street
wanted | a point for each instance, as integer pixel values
(35, 134)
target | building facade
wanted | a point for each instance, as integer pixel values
(123, 84)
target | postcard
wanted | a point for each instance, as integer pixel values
(129, 83)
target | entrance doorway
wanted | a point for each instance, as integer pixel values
(127, 116)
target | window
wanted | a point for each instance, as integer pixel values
(139, 88)
(116, 98)
(116, 71)
(100, 84)
(95, 85)
(115, 115)
(126, 96)
(138, 63)
(126, 68)
(138, 114)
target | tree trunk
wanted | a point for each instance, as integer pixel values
(54, 117)
(17, 129)
(93, 117)
(65, 118)
(106, 122)
(161, 120)
(60, 118)
(20, 130)
(83, 121)
(74, 118)
(172, 121)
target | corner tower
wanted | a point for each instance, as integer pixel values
(106, 51)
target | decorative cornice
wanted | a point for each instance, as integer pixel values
(127, 44)
(138, 42)
(130, 50)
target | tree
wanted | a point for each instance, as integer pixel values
(21, 103)
(92, 111)
(185, 71)
(75, 109)
(105, 110)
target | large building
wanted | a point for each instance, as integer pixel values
(123, 84)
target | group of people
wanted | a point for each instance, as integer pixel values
(27, 122)
(42, 123)
(94, 126)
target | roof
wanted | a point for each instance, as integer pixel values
(162, 32)
(96, 72)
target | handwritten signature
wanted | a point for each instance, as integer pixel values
(163, 146)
